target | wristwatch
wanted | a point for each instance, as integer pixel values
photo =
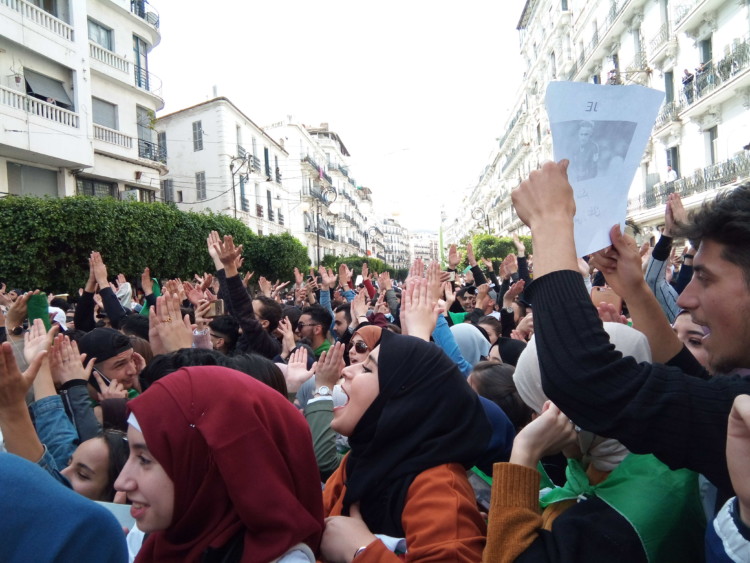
(323, 391)
(508, 309)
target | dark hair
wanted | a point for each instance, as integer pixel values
(319, 315)
(725, 220)
(60, 303)
(135, 324)
(347, 309)
(117, 445)
(270, 311)
(493, 323)
(292, 313)
(262, 369)
(393, 328)
(494, 381)
(228, 327)
(164, 364)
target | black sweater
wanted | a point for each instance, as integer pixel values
(651, 408)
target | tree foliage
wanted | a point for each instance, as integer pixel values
(48, 241)
(492, 247)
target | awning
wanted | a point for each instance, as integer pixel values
(46, 87)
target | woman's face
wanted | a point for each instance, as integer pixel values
(362, 387)
(691, 335)
(490, 332)
(88, 470)
(358, 351)
(148, 487)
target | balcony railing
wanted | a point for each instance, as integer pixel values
(259, 210)
(34, 106)
(270, 214)
(661, 37)
(669, 112)
(711, 177)
(281, 218)
(30, 12)
(278, 175)
(241, 152)
(520, 113)
(311, 161)
(147, 81)
(145, 11)
(244, 204)
(151, 151)
(713, 75)
(326, 177)
(255, 163)
(101, 54)
(681, 11)
(112, 136)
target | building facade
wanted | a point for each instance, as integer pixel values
(696, 51)
(78, 99)
(424, 245)
(220, 160)
(396, 240)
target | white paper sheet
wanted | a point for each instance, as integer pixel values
(603, 131)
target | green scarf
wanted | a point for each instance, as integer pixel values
(662, 506)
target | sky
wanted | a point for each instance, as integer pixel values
(418, 90)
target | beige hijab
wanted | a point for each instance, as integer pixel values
(604, 453)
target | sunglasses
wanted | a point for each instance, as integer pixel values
(300, 326)
(361, 346)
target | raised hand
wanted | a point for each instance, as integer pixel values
(66, 362)
(453, 258)
(193, 294)
(328, 367)
(228, 254)
(674, 214)
(359, 306)
(298, 277)
(621, 264)
(213, 242)
(514, 291)
(345, 274)
(520, 248)
(487, 264)
(470, 258)
(146, 282)
(418, 311)
(296, 371)
(434, 288)
(100, 270)
(609, 314)
(38, 340)
(247, 277)
(287, 337)
(265, 286)
(548, 434)
(113, 390)
(384, 281)
(168, 331)
(365, 270)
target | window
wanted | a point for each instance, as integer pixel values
(132, 193)
(95, 188)
(167, 190)
(673, 158)
(140, 62)
(200, 185)
(669, 85)
(238, 131)
(30, 180)
(104, 113)
(244, 203)
(100, 35)
(705, 49)
(47, 89)
(161, 140)
(179, 196)
(197, 136)
(143, 123)
(712, 138)
(267, 162)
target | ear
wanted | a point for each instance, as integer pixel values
(264, 323)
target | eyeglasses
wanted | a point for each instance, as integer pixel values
(300, 326)
(361, 346)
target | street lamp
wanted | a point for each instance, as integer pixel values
(479, 214)
(371, 233)
(328, 196)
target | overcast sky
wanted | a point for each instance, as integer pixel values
(418, 90)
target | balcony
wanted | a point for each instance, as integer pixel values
(270, 214)
(241, 152)
(715, 75)
(281, 218)
(310, 161)
(711, 177)
(33, 106)
(326, 177)
(114, 137)
(147, 81)
(151, 151)
(29, 12)
(278, 175)
(600, 35)
(255, 163)
(668, 113)
(145, 11)
(660, 39)
(244, 204)
(101, 54)
(259, 210)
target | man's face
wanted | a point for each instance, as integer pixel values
(259, 311)
(340, 324)
(584, 134)
(719, 300)
(306, 327)
(467, 301)
(120, 367)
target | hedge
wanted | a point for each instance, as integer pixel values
(48, 242)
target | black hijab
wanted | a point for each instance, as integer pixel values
(425, 415)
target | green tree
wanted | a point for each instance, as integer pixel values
(48, 241)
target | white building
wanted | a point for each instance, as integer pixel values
(396, 239)
(701, 129)
(424, 245)
(220, 160)
(77, 98)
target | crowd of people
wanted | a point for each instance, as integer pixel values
(511, 411)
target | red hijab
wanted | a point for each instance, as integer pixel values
(240, 456)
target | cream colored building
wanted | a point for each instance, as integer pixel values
(78, 99)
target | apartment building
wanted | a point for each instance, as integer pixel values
(78, 99)
(396, 239)
(696, 51)
(219, 160)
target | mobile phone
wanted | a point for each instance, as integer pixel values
(452, 276)
(215, 308)
(93, 381)
(606, 295)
